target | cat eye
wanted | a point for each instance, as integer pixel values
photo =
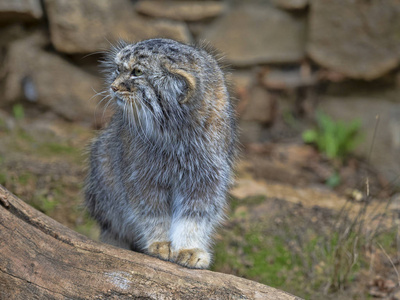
(136, 72)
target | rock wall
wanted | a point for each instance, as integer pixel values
(287, 57)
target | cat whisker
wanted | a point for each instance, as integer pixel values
(94, 53)
(148, 123)
(140, 126)
(97, 94)
(98, 104)
(154, 116)
(105, 108)
(128, 116)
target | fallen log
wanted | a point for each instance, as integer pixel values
(42, 259)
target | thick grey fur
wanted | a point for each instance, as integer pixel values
(165, 160)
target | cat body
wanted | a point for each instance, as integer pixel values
(160, 171)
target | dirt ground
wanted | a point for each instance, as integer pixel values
(286, 227)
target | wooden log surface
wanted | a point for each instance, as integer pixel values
(42, 259)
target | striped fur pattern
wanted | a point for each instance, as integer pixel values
(159, 173)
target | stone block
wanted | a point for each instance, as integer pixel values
(181, 10)
(20, 10)
(251, 34)
(91, 25)
(49, 81)
(357, 38)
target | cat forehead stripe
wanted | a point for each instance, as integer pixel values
(122, 60)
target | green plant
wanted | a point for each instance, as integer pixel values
(18, 112)
(336, 139)
(44, 203)
(334, 180)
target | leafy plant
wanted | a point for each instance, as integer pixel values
(334, 138)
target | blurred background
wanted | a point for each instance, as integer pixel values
(315, 208)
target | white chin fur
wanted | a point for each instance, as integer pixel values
(120, 102)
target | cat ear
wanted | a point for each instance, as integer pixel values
(188, 81)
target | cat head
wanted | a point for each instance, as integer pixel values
(161, 83)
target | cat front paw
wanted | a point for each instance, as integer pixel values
(192, 258)
(160, 250)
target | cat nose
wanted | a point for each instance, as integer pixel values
(114, 88)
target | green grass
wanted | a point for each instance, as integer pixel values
(88, 227)
(24, 178)
(249, 201)
(310, 260)
(260, 257)
(24, 136)
(57, 149)
(3, 178)
(388, 240)
(270, 258)
(24, 142)
(44, 204)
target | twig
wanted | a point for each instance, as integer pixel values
(391, 261)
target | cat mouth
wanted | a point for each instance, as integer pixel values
(121, 100)
(123, 103)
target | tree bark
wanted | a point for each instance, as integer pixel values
(42, 259)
